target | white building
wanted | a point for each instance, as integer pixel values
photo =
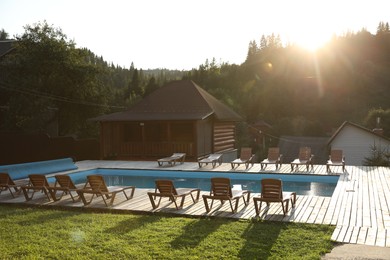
(357, 142)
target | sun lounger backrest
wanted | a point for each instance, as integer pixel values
(246, 153)
(271, 189)
(273, 153)
(336, 155)
(166, 186)
(5, 179)
(97, 183)
(65, 181)
(38, 180)
(304, 153)
(221, 187)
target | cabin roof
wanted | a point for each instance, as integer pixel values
(6, 47)
(347, 123)
(177, 100)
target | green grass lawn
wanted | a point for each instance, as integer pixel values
(33, 233)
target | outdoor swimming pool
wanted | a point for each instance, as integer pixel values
(315, 185)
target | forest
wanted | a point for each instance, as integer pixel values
(296, 91)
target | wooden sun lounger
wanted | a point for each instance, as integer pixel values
(38, 183)
(305, 158)
(165, 188)
(212, 158)
(96, 186)
(272, 191)
(336, 158)
(65, 185)
(274, 157)
(246, 157)
(173, 159)
(221, 190)
(6, 183)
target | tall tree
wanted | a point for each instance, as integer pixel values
(3, 35)
(135, 87)
(382, 28)
(151, 86)
(49, 80)
(378, 118)
(263, 42)
(252, 51)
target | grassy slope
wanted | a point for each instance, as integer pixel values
(40, 233)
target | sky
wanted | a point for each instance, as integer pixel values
(182, 34)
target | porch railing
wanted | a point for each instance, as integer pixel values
(155, 149)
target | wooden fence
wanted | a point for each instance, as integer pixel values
(19, 148)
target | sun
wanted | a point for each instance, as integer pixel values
(310, 36)
(312, 42)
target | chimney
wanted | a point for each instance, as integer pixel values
(378, 129)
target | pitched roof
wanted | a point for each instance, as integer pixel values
(6, 47)
(346, 123)
(178, 100)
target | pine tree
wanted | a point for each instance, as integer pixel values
(3, 35)
(151, 86)
(135, 87)
(252, 51)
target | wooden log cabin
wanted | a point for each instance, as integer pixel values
(178, 117)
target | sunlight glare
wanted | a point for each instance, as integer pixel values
(312, 42)
(268, 67)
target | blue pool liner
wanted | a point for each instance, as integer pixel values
(22, 170)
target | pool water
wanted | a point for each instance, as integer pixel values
(315, 185)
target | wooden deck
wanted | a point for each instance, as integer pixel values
(359, 207)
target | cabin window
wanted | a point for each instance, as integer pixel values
(155, 132)
(182, 132)
(133, 132)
